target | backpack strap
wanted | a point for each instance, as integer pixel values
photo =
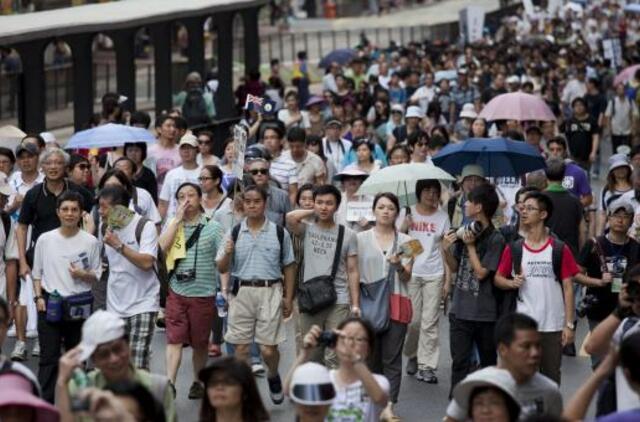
(140, 227)
(516, 255)
(235, 231)
(557, 250)
(598, 248)
(280, 234)
(336, 256)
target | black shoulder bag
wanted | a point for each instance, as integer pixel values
(320, 292)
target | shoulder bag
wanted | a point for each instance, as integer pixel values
(320, 292)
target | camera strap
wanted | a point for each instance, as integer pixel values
(599, 250)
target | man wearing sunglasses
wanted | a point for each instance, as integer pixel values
(278, 204)
(104, 341)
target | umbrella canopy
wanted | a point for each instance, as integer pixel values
(518, 106)
(401, 180)
(109, 135)
(625, 75)
(10, 136)
(499, 157)
(633, 8)
(341, 56)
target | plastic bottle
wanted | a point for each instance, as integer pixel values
(221, 304)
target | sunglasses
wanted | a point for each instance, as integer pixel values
(259, 171)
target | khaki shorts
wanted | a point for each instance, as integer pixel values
(256, 312)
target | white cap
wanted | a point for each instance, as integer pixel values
(486, 377)
(397, 107)
(311, 385)
(48, 137)
(189, 139)
(513, 79)
(469, 111)
(414, 111)
(101, 327)
(619, 160)
(5, 189)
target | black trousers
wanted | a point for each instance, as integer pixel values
(617, 140)
(387, 356)
(463, 334)
(52, 337)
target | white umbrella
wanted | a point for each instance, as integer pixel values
(10, 136)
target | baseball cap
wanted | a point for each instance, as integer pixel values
(619, 160)
(513, 79)
(48, 137)
(331, 120)
(620, 204)
(29, 147)
(414, 111)
(350, 172)
(397, 108)
(487, 377)
(472, 170)
(5, 189)
(101, 327)
(468, 111)
(189, 139)
(311, 385)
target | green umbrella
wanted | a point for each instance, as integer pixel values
(401, 180)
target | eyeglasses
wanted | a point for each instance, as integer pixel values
(621, 216)
(256, 172)
(204, 178)
(359, 340)
(530, 208)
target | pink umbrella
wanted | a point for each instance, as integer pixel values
(517, 106)
(624, 76)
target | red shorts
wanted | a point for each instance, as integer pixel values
(189, 320)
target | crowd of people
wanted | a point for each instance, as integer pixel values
(103, 249)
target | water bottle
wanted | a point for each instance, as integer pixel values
(79, 402)
(221, 304)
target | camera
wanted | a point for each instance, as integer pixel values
(328, 339)
(186, 276)
(474, 227)
(586, 304)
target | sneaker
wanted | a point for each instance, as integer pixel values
(35, 352)
(257, 369)
(569, 350)
(412, 366)
(275, 389)
(196, 392)
(32, 334)
(214, 350)
(19, 353)
(427, 375)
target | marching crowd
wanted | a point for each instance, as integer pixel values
(102, 249)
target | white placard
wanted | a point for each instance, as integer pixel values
(357, 210)
(240, 144)
(612, 50)
(472, 23)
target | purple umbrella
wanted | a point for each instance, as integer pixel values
(517, 106)
(624, 76)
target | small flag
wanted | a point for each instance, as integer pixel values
(261, 105)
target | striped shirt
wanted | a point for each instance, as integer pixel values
(255, 256)
(208, 245)
(284, 170)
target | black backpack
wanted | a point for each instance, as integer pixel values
(194, 109)
(508, 300)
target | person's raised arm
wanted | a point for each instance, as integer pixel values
(294, 220)
(601, 336)
(223, 260)
(166, 239)
(142, 260)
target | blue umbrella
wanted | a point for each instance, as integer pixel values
(341, 56)
(109, 135)
(499, 157)
(633, 8)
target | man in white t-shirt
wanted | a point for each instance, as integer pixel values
(133, 289)
(65, 264)
(542, 293)
(428, 224)
(189, 171)
(282, 169)
(519, 348)
(425, 94)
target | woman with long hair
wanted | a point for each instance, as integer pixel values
(379, 258)
(291, 115)
(479, 128)
(226, 163)
(231, 393)
(618, 183)
(213, 196)
(205, 145)
(143, 178)
(364, 149)
(357, 390)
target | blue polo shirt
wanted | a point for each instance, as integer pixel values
(256, 257)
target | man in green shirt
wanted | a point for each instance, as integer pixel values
(104, 341)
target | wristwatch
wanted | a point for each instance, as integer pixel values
(571, 326)
(120, 248)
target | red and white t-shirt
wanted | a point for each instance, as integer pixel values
(541, 296)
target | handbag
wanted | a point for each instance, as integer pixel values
(319, 293)
(375, 299)
(77, 307)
